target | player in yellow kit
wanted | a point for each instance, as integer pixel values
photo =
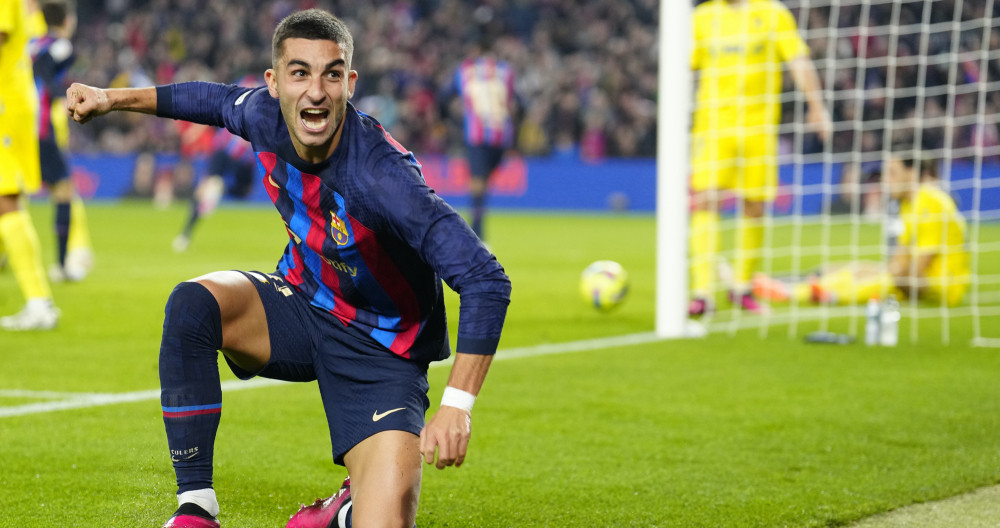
(740, 50)
(930, 260)
(19, 170)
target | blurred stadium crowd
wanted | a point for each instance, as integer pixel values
(586, 70)
(931, 69)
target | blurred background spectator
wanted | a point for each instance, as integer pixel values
(890, 67)
(587, 71)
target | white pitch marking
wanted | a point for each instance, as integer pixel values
(71, 400)
(84, 400)
(42, 394)
(578, 346)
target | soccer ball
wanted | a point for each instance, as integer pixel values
(604, 284)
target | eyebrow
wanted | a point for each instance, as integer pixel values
(306, 65)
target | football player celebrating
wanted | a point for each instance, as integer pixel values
(356, 302)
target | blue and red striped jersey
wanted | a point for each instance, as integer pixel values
(51, 58)
(368, 240)
(487, 89)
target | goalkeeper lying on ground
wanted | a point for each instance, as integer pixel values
(929, 261)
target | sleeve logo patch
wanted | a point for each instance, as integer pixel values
(240, 99)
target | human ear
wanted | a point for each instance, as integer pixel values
(272, 82)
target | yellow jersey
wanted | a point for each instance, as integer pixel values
(36, 25)
(933, 225)
(739, 50)
(17, 91)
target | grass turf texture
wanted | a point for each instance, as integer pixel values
(732, 430)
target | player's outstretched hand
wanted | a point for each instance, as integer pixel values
(448, 434)
(86, 102)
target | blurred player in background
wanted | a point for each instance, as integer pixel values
(486, 86)
(230, 172)
(356, 302)
(930, 260)
(197, 143)
(19, 171)
(739, 49)
(52, 55)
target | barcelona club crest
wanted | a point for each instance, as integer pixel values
(338, 229)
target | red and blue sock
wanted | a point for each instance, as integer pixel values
(190, 390)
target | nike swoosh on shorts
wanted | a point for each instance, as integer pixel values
(376, 416)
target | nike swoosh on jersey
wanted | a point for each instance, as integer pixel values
(240, 99)
(376, 416)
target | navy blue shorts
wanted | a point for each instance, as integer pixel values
(366, 389)
(53, 162)
(483, 160)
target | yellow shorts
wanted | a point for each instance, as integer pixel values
(950, 290)
(19, 162)
(745, 164)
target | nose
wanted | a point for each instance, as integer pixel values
(315, 91)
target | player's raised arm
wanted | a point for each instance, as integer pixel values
(806, 79)
(87, 102)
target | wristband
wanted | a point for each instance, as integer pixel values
(458, 398)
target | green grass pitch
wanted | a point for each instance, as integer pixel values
(735, 430)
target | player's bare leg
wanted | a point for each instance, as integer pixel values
(245, 338)
(385, 474)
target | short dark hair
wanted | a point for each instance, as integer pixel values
(312, 24)
(54, 11)
(910, 156)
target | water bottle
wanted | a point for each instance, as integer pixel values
(889, 321)
(829, 338)
(873, 322)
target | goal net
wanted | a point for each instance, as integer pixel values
(922, 73)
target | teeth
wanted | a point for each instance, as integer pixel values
(314, 124)
(314, 118)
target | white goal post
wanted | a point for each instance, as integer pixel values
(672, 152)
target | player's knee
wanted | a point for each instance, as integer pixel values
(192, 316)
(9, 203)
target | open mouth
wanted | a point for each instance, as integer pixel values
(314, 119)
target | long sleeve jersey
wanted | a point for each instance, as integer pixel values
(368, 240)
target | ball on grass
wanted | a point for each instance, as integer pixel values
(604, 284)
